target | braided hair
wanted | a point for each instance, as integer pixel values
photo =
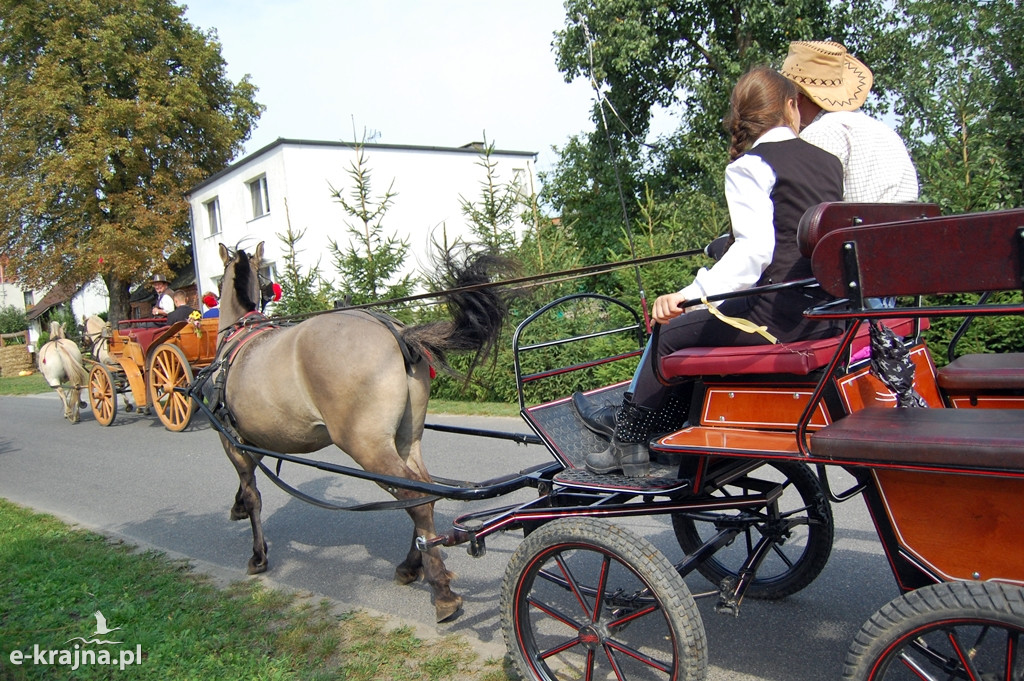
(757, 104)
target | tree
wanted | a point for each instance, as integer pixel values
(301, 292)
(109, 111)
(371, 261)
(493, 216)
(682, 56)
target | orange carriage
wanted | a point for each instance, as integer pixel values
(147, 363)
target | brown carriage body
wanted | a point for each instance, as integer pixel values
(150, 363)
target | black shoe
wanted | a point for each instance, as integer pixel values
(599, 419)
(631, 457)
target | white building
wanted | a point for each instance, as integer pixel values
(289, 182)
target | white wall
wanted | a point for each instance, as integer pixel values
(427, 183)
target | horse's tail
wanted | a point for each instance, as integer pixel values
(477, 314)
(71, 358)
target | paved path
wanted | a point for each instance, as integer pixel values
(172, 491)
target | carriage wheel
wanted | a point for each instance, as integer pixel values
(583, 598)
(168, 369)
(952, 630)
(102, 397)
(799, 524)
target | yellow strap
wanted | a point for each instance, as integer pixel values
(744, 325)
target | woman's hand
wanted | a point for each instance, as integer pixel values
(667, 307)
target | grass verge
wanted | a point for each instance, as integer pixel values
(23, 385)
(56, 577)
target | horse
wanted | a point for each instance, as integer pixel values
(60, 360)
(97, 335)
(350, 379)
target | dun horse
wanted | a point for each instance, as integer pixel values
(60, 361)
(343, 378)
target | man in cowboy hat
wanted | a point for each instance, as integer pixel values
(833, 86)
(164, 299)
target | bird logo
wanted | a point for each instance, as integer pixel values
(101, 630)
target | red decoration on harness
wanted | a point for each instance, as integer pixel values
(277, 291)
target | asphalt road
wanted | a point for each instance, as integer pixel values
(171, 491)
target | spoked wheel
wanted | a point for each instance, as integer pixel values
(168, 369)
(102, 396)
(953, 630)
(584, 599)
(798, 524)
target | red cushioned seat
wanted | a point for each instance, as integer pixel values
(1004, 371)
(800, 358)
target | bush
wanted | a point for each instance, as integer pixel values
(12, 320)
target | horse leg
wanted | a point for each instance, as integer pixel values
(248, 503)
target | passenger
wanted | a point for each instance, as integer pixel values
(774, 177)
(833, 86)
(182, 310)
(164, 296)
(211, 302)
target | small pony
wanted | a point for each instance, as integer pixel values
(60, 361)
(350, 379)
(97, 334)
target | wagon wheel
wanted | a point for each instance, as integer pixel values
(952, 630)
(583, 598)
(168, 369)
(102, 396)
(799, 524)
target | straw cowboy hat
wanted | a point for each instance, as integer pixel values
(830, 76)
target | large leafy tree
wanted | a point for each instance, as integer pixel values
(642, 55)
(109, 111)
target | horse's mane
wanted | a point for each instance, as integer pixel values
(243, 277)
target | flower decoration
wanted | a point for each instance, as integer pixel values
(194, 319)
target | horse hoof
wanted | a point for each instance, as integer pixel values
(448, 609)
(406, 576)
(256, 568)
(237, 514)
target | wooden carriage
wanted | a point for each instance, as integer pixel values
(149, 362)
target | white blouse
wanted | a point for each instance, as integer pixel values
(748, 191)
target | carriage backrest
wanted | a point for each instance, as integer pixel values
(826, 217)
(967, 253)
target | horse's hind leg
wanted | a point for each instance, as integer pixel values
(248, 504)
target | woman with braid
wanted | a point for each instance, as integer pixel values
(773, 178)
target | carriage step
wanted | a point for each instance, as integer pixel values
(661, 481)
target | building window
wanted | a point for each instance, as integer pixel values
(260, 197)
(213, 215)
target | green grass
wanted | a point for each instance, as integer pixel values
(23, 385)
(472, 408)
(55, 577)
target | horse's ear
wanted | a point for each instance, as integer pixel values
(257, 256)
(225, 254)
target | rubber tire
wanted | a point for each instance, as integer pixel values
(102, 395)
(632, 563)
(932, 612)
(805, 566)
(169, 369)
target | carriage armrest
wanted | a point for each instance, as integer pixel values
(970, 440)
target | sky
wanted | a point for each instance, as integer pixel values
(418, 72)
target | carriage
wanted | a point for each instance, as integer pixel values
(148, 361)
(747, 483)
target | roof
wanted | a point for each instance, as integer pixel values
(59, 294)
(471, 148)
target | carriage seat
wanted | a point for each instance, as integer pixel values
(974, 440)
(145, 336)
(1004, 371)
(800, 357)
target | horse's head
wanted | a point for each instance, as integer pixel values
(240, 286)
